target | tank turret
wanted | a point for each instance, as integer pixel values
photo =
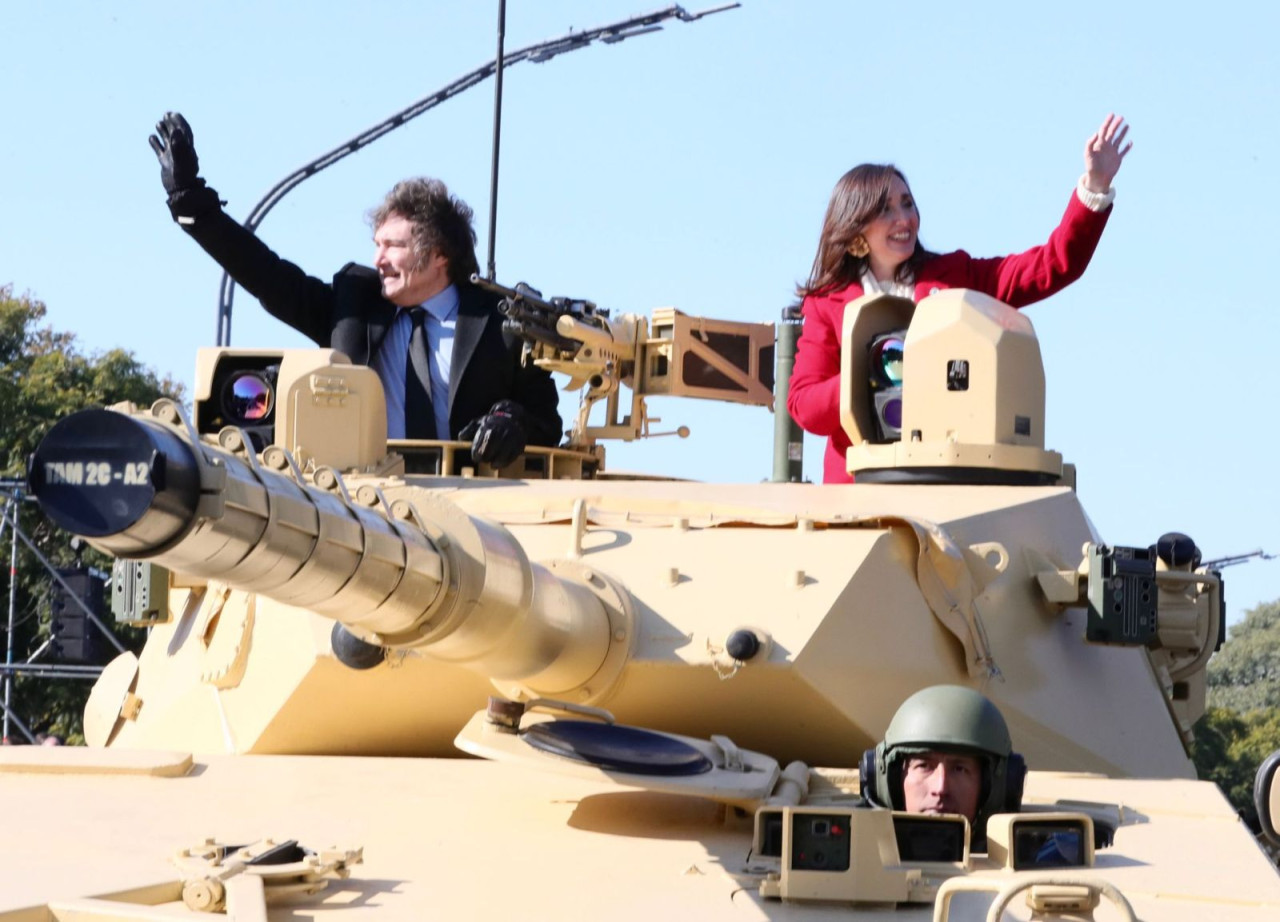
(279, 514)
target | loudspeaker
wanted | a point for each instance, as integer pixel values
(75, 638)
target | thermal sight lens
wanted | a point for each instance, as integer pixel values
(889, 359)
(247, 397)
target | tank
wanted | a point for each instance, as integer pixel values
(382, 681)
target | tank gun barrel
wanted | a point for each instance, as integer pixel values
(416, 572)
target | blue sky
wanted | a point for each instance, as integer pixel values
(691, 168)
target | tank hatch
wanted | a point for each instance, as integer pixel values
(571, 739)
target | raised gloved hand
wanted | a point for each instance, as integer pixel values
(175, 149)
(498, 437)
(180, 168)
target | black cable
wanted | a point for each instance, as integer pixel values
(538, 53)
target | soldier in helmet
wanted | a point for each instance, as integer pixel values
(947, 750)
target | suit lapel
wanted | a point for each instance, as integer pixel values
(473, 316)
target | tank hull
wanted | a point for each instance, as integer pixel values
(451, 838)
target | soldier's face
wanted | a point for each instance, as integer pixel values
(407, 279)
(938, 782)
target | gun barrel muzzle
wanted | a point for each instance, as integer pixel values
(134, 487)
(111, 477)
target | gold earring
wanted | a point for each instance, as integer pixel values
(859, 248)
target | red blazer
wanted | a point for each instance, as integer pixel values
(1017, 280)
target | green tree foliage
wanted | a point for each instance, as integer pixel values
(1242, 725)
(43, 377)
(1245, 674)
(1229, 748)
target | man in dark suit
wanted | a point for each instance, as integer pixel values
(435, 339)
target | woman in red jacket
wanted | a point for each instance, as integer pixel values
(870, 244)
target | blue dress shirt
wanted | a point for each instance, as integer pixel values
(442, 318)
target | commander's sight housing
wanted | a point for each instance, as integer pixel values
(966, 404)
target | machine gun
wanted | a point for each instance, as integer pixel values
(534, 319)
(671, 354)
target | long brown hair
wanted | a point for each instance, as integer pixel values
(858, 197)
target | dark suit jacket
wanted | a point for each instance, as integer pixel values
(351, 315)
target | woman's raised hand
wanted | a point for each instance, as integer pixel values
(1103, 153)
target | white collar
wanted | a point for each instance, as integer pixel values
(871, 286)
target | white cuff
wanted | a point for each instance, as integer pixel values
(1094, 201)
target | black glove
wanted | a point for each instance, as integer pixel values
(180, 168)
(175, 149)
(498, 437)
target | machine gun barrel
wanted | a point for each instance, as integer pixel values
(536, 320)
(414, 573)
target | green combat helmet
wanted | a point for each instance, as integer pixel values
(947, 718)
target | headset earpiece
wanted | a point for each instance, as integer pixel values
(867, 778)
(1015, 777)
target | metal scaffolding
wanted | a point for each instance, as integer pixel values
(14, 493)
